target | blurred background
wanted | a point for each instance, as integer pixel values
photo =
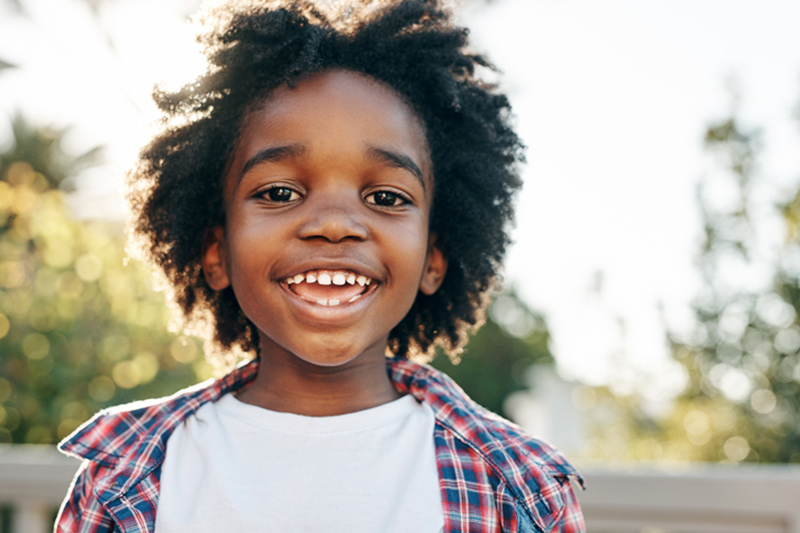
(650, 315)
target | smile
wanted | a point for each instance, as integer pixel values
(329, 288)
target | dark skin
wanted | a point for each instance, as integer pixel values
(330, 180)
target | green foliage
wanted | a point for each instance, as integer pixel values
(742, 402)
(79, 328)
(499, 354)
(41, 150)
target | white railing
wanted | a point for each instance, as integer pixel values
(33, 481)
(694, 499)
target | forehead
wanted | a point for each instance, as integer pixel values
(335, 109)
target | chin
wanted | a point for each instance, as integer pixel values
(329, 360)
(329, 354)
(322, 349)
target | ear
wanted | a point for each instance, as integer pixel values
(215, 268)
(435, 267)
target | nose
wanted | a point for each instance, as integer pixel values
(334, 220)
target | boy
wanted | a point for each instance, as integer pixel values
(334, 190)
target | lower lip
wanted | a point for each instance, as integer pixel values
(329, 315)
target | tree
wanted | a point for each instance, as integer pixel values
(80, 329)
(742, 401)
(497, 357)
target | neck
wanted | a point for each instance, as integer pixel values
(292, 385)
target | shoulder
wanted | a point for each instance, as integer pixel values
(112, 432)
(533, 471)
(495, 437)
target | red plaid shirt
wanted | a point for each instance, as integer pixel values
(493, 477)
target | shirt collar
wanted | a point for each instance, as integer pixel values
(529, 467)
(112, 433)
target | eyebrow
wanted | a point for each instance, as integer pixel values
(272, 154)
(280, 153)
(397, 160)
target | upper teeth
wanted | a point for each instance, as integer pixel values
(327, 277)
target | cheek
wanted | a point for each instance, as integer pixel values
(409, 246)
(250, 245)
(252, 225)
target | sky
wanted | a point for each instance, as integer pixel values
(612, 97)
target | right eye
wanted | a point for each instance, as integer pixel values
(280, 194)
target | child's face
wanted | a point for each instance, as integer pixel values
(330, 183)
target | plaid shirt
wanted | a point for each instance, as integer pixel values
(493, 477)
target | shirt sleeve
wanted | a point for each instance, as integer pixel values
(81, 511)
(572, 518)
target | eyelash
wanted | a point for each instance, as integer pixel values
(267, 194)
(270, 194)
(403, 200)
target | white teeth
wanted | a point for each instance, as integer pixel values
(354, 298)
(328, 303)
(328, 278)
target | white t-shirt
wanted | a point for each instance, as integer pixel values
(237, 467)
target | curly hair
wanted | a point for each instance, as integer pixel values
(413, 47)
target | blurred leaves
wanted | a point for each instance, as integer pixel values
(41, 149)
(742, 401)
(80, 329)
(497, 358)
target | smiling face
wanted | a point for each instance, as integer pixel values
(327, 200)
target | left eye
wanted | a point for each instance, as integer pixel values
(386, 199)
(280, 194)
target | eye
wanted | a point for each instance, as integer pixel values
(387, 199)
(279, 194)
